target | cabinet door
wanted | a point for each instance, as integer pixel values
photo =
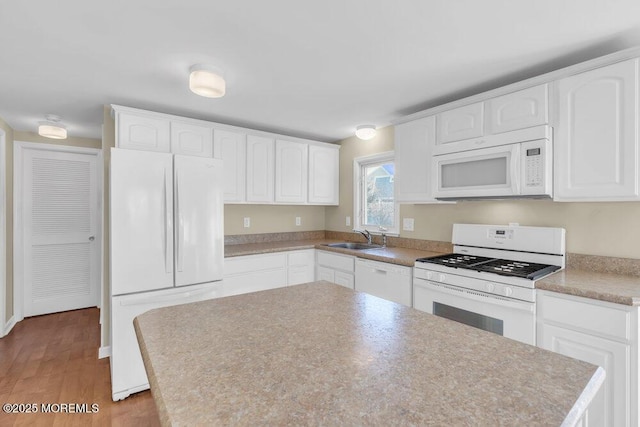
(611, 406)
(291, 172)
(518, 110)
(461, 123)
(191, 140)
(326, 273)
(323, 175)
(260, 169)
(414, 143)
(344, 279)
(596, 143)
(301, 266)
(143, 133)
(231, 148)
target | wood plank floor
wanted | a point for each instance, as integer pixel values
(53, 359)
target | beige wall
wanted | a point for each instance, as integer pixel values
(108, 141)
(7, 169)
(351, 148)
(608, 229)
(272, 219)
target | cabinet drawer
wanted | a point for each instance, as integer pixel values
(339, 262)
(583, 314)
(252, 263)
(301, 258)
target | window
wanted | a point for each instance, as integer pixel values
(374, 203)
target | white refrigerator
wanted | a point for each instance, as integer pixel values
(167, 247)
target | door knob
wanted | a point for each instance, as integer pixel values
(92, 238)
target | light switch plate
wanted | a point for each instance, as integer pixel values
(407, 224)
(247, 222)
(298, 220)
(348, 221)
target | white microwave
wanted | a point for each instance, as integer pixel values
(515, 170)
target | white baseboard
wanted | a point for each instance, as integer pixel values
(9, 326)
(104, 352)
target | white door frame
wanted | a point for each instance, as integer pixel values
(3, 235)
(18, 218)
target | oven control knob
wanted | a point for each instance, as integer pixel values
(489, 287)
(442, 278)
(429, 275)
(508, 292)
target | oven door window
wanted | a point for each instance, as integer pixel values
(476, 320)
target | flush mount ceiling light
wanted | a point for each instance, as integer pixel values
(207, 81)
(366, 131)
(52, 128)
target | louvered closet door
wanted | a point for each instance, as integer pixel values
(60, 208)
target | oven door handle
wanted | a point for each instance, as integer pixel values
(474, 295)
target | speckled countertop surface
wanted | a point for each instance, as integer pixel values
(611, 287)
(321, 354)
(393, 255)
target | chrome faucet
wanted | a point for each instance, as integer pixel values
(384, 236)
(366, 235)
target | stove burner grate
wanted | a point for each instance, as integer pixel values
(503, 267)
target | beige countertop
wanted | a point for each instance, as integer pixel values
(611, 287)
(393, 255)
(321, 354)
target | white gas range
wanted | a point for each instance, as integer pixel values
(489, 280)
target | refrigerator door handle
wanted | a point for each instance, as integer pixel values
(180, 228)
(168, 261)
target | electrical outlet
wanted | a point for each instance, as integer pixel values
(407, 224)
(348, 221)
(298, 220)
(247, 222)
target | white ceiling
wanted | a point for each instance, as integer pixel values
(311, 69)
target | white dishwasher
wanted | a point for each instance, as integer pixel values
(389, 281)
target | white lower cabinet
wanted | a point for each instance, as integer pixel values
(300, 266)
(336, 268)
(600, 333)
(252, 273)
(389, 281)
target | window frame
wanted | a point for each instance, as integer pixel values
(359, 163)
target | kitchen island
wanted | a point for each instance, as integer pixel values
(322, 354)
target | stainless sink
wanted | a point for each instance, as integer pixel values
(352, 245)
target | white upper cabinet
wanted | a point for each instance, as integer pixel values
(260, 169)
(291, 172)
(414, 142)
(231, 148)
(256, 169)
(596, 137)
(191, 140)
(517, 110)
(324, 175)
(461, 123)
(139, 132)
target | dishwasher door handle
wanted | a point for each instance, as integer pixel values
(377, 270)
